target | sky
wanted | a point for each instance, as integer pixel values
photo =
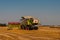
(48, 11)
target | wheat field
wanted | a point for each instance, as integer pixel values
(43, 33)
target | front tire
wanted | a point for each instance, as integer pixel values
(22, 27)
(35, 28)
(30, 28)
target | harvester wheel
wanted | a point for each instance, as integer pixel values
(30, 28)
(22, 27)
(27, 28)
(35, 28)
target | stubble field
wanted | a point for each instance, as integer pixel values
(43, 33)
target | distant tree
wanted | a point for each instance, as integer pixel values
(1, 24)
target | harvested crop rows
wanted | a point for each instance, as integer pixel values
(28, 35)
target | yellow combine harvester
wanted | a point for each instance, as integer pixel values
(29, 23)
(26, 23)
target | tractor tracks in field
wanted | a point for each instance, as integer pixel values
(15, 36)
(12, 36)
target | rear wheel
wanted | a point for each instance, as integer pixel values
(35, 28)
(23, 27)
(30, 28)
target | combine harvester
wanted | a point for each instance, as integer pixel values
(27, 23)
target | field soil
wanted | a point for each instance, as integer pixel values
(43, 33)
